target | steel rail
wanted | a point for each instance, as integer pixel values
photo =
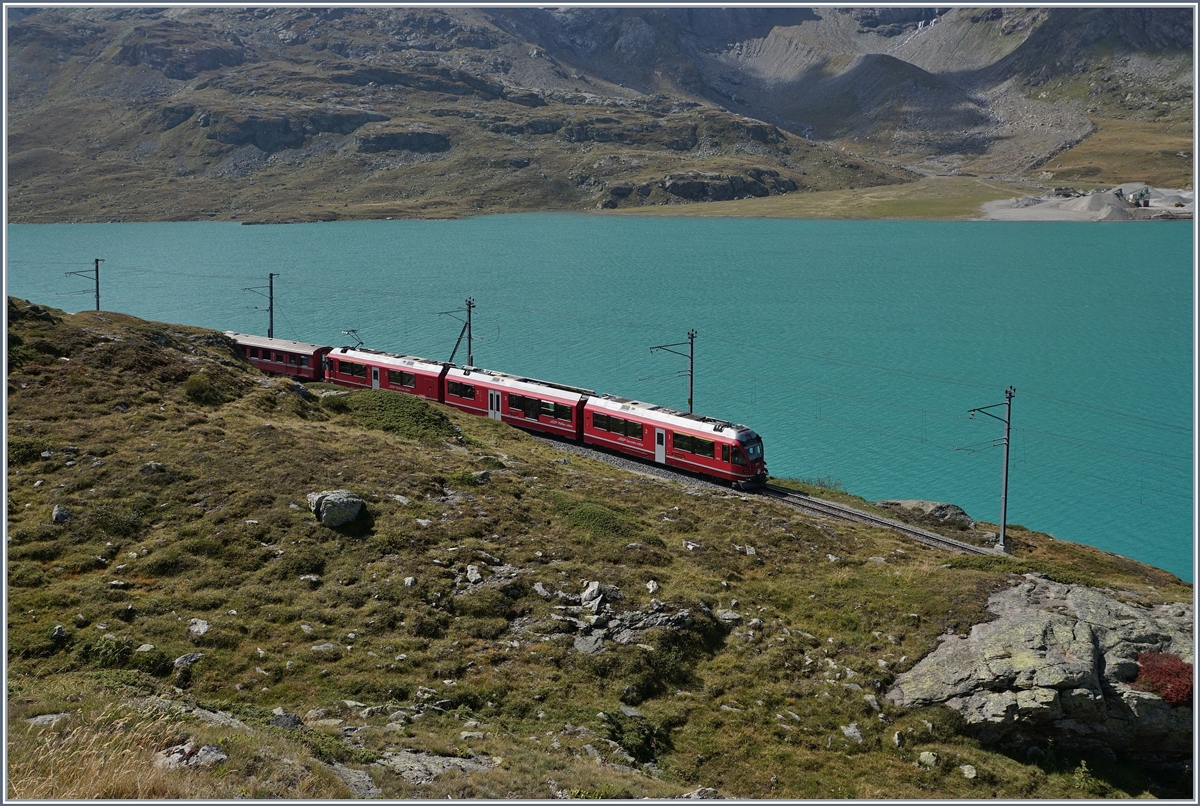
(803, 501)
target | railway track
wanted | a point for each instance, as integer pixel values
(791, 497)
(821, 507)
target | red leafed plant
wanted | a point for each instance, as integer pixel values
(1168, 676)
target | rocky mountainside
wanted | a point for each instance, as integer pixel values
(300, 114)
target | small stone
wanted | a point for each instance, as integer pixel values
(898, 740)
(652, 586)
(286, 720)
(59, 633)
(728, 616)
(312, 579)
(470, 734)
(968, 771)
(591, 593)
(473, 575)
(852, 733)
(145, 648)
(46, 719)
(832, 558)
(187, 755)
(198, 627)
(306, 628)
(327, 648)
(60, 514)
(872, 703)
(928, 759)
(410, 581)
(184, 661)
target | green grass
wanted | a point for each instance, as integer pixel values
(222, 533)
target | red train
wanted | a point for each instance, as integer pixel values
(723, 450)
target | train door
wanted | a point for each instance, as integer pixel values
(374, 377)
(660, 446)
(493, 404)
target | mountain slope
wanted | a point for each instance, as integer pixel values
(292, 114)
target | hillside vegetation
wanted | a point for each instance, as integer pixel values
(435, 646)
(294, 114)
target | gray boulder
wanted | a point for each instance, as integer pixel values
(1055, 664)
(60, 514)
(188, 755)
(949, 513)
(335, 508)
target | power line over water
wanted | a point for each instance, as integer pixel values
(855, 348)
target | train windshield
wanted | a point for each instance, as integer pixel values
(754, 450)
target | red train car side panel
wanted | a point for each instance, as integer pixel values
(371, 369)
(294, 359)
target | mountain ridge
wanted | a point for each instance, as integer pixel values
(529, 109)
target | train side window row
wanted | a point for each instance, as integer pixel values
(531, 407)
(696, 445)
(252, 352)
(457, 389)
(616, 425)
(401, 378)
(351, 368)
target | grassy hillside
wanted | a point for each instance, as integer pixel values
(422, 626)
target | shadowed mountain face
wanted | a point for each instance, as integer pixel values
(340, 112)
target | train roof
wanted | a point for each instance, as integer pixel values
(394, 359)
(275, 344)
(674, 418)
(519, 384)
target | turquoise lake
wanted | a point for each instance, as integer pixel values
(855, 348)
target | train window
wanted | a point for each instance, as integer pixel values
(613, 424)
(556, 410)
(696, 445)
(291, 358)
(279, 357)
(351, 368)
(253, 352)
(528, 406)
(738, 458)
(457, 389)
(725, 454)
(754, 450)
(401, 378)
(304, 361)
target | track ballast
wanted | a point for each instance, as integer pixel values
(822, 507)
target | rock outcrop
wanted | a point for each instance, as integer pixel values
(335, 508)
(948, 513)
(696, 186)
(1056, 664)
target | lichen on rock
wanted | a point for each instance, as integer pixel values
(1055, 664)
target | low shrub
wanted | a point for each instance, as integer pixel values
(1166, 675)
(24, 450)
(116, 521)
(403, 415)
(600, 521)
(200, 388)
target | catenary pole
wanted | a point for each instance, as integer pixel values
(690, 356)
(271, 305)
(1002, 541)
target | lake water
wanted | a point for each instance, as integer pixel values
(855, 348)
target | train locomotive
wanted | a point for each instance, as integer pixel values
(705, 445)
